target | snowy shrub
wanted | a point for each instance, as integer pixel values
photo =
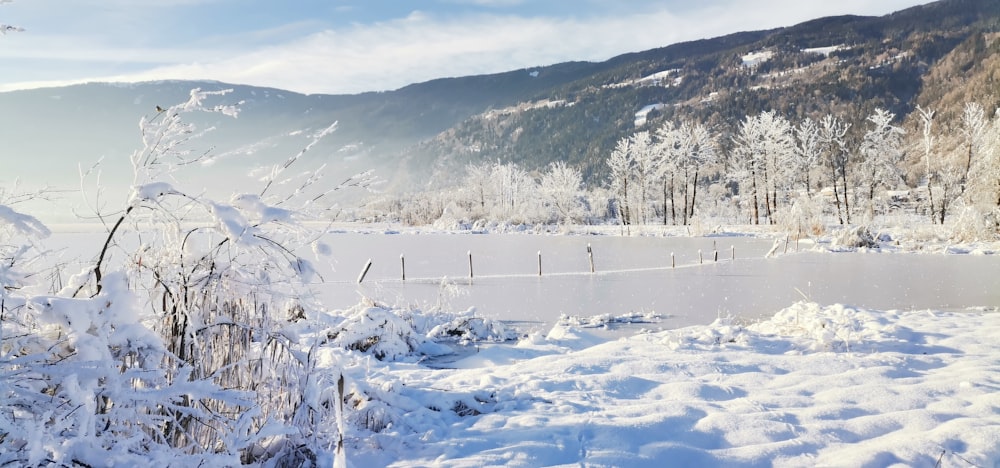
(103, 392)
(174, 340)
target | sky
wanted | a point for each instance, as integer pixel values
(353, 46)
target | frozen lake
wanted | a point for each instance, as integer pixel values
(633, 275)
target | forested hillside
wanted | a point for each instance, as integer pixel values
(938, 55)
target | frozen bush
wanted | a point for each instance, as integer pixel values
(855, 238)
(975, 224)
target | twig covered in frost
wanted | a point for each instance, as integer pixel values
(25, 224)
(277, 170)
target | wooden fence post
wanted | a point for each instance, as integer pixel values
(364, 272)
(470, 264)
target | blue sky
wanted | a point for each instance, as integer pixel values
(350, 46)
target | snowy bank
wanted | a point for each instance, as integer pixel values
(811, 386)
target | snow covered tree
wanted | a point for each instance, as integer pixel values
(763, 147)
(477, 185)
(927, 148)
(983, 194)
(669, 152)
(701, 152)
(560, 190)
(808, 151)
(881, 152)
(683, 152)
(513, 189)
(746, 161)
(832, 131)
(621, 163)
(644, 171)
(989, 169)
(973, 133)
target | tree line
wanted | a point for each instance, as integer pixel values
(769, 170)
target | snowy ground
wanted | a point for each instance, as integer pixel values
(812, 386)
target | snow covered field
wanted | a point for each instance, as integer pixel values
(811, 384)
(810, 358)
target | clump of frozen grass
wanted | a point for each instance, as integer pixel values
(394, 333)
(973, 224)
(807, 325)
(467, 328)
(377, 331)
(859, 237)
(830, 328)
(804, 217)
(723, 332)
(606, 320)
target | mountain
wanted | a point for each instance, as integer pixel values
(845, 65)
(937, 55)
